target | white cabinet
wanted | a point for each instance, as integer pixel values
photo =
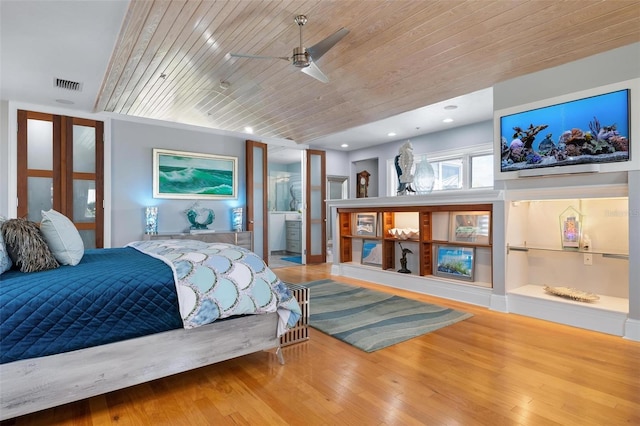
(294, 235)
(276, 232)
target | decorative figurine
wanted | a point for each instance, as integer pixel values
(199, 218)
(403, 260)
(293, 204)
(404, 164)
(362, 182)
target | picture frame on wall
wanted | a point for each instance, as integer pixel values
(190, 175)
(366, 224)
(454, 262)
(371, 253)
(470, 227)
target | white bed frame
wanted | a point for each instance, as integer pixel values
(35, 384)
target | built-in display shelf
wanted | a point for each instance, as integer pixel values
(535, 256)
(442, 234)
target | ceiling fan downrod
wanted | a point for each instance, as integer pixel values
(300, 55)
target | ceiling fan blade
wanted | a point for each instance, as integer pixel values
(317, 50)
(315, 72)
(242, 55)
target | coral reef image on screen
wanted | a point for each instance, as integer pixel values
(584, 131)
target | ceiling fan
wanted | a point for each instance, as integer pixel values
(304, 58)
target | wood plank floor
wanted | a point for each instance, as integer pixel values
(492, 369)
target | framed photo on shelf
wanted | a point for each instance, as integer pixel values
(190, 175)
(371, 253)
(366, 224)
(470, 227)
(455, 262)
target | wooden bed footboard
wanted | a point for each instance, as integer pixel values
(35, 384)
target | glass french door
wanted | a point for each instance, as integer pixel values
(257, 191)
(316, 212)
(60, 166)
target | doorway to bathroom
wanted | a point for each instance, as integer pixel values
(285, 203)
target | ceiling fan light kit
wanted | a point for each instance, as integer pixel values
(303, 58)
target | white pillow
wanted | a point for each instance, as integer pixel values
(62, 237)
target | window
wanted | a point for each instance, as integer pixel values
(448, 174)
(472, 168)
(482, 171)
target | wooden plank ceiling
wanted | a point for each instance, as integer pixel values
(171, 57)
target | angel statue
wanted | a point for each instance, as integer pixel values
(404, 164)
(199, 218)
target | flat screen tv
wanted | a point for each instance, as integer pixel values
(590, 130)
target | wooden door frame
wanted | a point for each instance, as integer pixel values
(250, 145)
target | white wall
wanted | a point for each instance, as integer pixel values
(4, 159)
(132, 186)
(337, 163)
(456, 138)
(598, 70)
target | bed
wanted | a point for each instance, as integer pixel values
(129, 315)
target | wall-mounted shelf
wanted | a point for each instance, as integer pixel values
(608, 254)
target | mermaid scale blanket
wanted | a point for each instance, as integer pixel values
(217, 280)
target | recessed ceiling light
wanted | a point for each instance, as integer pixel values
(248, 129)
(450, 107)
(345, 145)
(391, 134)
(448, 120)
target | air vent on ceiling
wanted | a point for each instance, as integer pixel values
(67, 84)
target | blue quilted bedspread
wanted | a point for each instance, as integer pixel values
(113, 294)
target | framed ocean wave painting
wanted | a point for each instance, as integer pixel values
(190, 175)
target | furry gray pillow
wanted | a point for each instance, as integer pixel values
(26, 246)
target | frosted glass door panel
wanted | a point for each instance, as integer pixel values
(84, 200)
(316, 239)
(88, 238)
(84, 149)
(316, 171)
(316, 203)
(258, 197)
(40, 144)
(39, 197)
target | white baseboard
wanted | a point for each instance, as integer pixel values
(499, 303)
(448, 289)
(632, 329)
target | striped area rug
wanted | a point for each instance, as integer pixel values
(372, 320)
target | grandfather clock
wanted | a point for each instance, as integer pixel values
(362, 184)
